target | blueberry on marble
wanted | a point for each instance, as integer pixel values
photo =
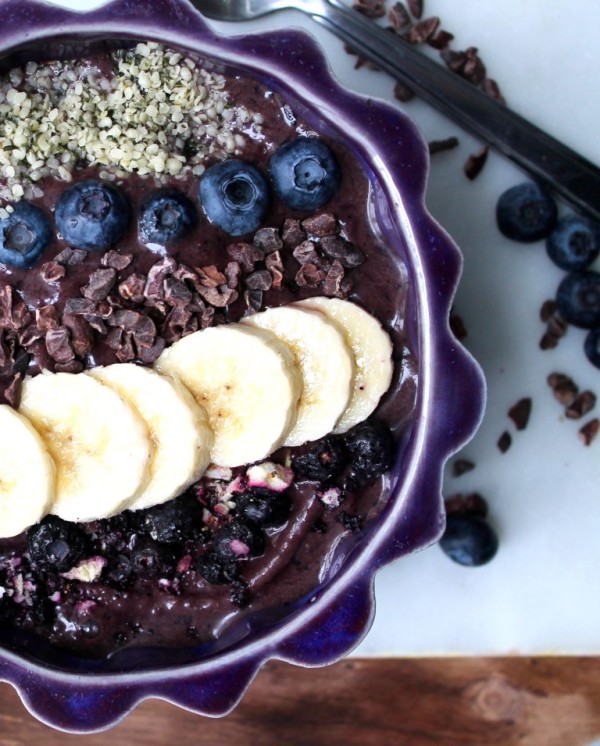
(469, 540)
(324, 461)
(235, 196)
(526, 213)
(578, 299)
(239, 541)
(92, 215)
(24, 235)
(305, 173)
(55, 544)
(371, 447)
(591, 346)
(574, 243)
(264, 507)
(165, 216)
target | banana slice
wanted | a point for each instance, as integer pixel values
(179, 431)
(325, 361)
(248, 383)
(26, 474)
(99, 445)
(372, 350)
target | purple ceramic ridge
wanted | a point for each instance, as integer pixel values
(81, 696)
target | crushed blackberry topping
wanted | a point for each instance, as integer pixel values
(56, 544)
(324, 461)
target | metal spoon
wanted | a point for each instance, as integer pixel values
(563, 170)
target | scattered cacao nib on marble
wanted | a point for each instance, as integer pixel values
(461, 466)
(588, 433)
(403, 92)
(415, 7)
(547, 310)
(466, 504)
(399, 17)
(581, 405)
(504, 442)
(520, 411)
(440, 40)
(370, 8)
(475, 163)
(423, 31)
(439, 146)
(563, 387)
(491, 87)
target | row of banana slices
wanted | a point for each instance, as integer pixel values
(86, 446)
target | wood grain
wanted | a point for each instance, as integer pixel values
(415, 702)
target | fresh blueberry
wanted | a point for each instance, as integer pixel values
(239, 541)
(372, 449)
(235, 196)
(578, 299)
(173, 521)
(215, 569)
(119, 571)
(469, 540)
(264, 507)
(574, 243)
(55, 544)
(592, 346)
(24, 234)
(526, 213)
(305, 173)
(92, 215)
(324, 461)
(165, 216)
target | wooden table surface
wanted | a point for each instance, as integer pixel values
(417, 702)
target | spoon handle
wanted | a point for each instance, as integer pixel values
(563, 170)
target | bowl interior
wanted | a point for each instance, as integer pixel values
(385, 222)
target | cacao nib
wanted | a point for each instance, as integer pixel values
(333, 280)
(423, 30)
(268, 240)
(370, 8)
(14, 314)
(253, 300)
(504, 442)
(210, 277)
(132, 288)
(415, 7)
(321, 225)
(470, 504)
(403, 93)
(46, 317)
(100, 284)
(232, 273)
(563, 387)
(177, 292)
(306, 252)
(11, 393)
(399, 17)
(309, 276)
(440, 40)
(52, 272)
(116, 260)
(126, 352)
(149, 355)
(588, 433)
(438, 146)
(82, 335)
(58, 344)
(519, 413)
(338, 248)
(292, 233)
(259, 280)
(73, 366)
(218, 297)
(489, 86)
(461, 466)
(475, 163)
(80, 306)
(246, 254)
(582, 404)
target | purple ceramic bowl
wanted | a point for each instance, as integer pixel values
(84, 696)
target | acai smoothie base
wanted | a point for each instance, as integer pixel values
(244, 543)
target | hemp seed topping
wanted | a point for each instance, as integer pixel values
(157, 113)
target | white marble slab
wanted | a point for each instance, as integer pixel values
(541, 593)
